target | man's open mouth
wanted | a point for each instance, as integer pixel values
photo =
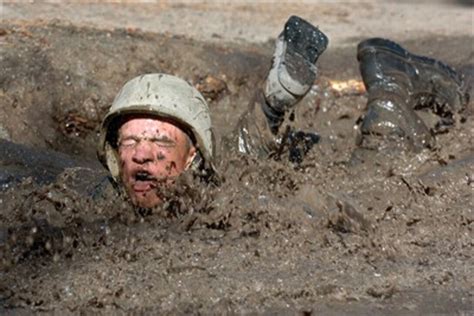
(144, 181)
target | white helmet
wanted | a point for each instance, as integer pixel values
(163, 96)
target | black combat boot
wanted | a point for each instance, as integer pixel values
(398, 83)
(293, 69)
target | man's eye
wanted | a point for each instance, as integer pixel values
(128, 142)
(161, 143)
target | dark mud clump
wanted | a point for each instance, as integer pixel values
(391, 235)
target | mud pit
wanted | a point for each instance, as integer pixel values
(392, 235)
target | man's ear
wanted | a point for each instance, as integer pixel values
(190, 157)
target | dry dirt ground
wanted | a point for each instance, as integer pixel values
(389, 236)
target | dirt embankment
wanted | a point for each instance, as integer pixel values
(390, 236)
(346, 22)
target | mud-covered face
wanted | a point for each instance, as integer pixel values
(152, 152)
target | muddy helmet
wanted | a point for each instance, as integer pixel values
(163, 96)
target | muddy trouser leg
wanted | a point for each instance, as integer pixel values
(398, 83)
(259, 134)
(291, 76)
(253, 134)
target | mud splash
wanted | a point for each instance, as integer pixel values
(321, 236)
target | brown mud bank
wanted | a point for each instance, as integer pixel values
(393, 235)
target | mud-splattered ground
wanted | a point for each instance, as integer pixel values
(393, 235)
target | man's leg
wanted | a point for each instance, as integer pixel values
(291, 76)
(398, 83)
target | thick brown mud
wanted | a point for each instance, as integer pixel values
(392, 235)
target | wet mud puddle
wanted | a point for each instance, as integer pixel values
(275, 237)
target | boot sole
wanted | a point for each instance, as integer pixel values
(304, 43)
(304, 39)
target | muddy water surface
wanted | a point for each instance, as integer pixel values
(392, 235)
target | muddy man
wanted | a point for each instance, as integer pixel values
(159, 126)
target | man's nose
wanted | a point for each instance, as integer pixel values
(143, 153)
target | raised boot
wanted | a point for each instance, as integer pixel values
(291, 76)
(293, 70)
(399, 82)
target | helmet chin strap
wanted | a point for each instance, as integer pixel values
(196, 163)
(204, 170)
